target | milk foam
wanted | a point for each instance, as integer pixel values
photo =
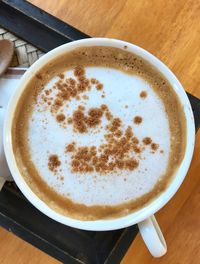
(122, 96)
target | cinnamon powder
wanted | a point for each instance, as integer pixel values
(54, 162)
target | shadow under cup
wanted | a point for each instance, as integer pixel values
(142, 213)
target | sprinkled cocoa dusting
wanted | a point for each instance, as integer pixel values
(93, 81)
(122, 150)
(143, 94)
(79, 121)
(137, 120)
(60, 117)
(116, 123)
(118, 133)
(129, 132)
(154, 146)
(104, 107)
(69, 120)
(99, 86)
(70, 88)
(83, 121)
(135, 141)
(147, 140)
(53, 163)
(108, 114)
(70, 147)
(58, 102)
(87, 159)
(136, 149)
(94, 117)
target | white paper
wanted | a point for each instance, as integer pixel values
(7, 86)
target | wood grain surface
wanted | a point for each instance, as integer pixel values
(171, 31)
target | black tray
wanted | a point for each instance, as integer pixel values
(69, 245)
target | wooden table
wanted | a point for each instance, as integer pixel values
(171, 31)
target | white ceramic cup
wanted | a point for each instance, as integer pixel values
(144, 217)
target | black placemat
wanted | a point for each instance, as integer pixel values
(17, 215)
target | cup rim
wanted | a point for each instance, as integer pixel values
(138, 215)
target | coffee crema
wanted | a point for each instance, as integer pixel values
(98, 133)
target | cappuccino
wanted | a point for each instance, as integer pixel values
(98, 133)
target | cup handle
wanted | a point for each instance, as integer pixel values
(153, 237)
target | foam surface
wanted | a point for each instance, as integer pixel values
(122, 96)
